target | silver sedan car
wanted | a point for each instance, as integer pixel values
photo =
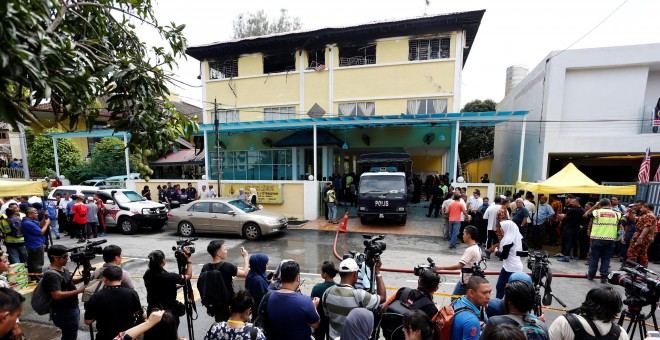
(225, 215)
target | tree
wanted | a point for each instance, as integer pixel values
(41, 154)
(70, 53)
(477, 141)
(108, 158)
(257, 24)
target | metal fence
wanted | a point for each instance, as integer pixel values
(12, 172)
(501, 189)
(648, 192)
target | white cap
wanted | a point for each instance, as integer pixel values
(348, 266)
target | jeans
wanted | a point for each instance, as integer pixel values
(502, 280)
(601, 250)
(54, 228)
(35, 262)
(454, 227)
(17, 253)
(67, 320)
(570, 241)
(333, 211)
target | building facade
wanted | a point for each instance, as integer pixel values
(593, 107)
(389, 68)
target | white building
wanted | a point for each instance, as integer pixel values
(593, 107)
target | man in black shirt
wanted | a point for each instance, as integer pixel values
(64, 310)
(191, 193)
(218, 252)
(114, 307)
(571, 221)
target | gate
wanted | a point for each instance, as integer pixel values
(648, 192)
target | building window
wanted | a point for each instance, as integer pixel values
(279, 63)
(264, 165)
(227, 116)
(357, 55)
(279, 113)
(316, 60)
(3, 135)
(362, 109)
(425, 106)
(427, 49)
(223, 69)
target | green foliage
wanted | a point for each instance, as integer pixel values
(108, 157)
(257, 24)
(71, 53)
(477, 141)
(41, 154)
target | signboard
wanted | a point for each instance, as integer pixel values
(267, 193)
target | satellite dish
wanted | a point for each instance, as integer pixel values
(267, 142)
(429, 137)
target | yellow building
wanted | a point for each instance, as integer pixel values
(343, 81)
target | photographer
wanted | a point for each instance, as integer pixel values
(34, 231)
(162, 285)
(58, 281)
(339, 300)
(471, 256)
(596, 314)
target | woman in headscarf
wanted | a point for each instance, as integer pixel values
(241, 195)
(359, 324)
(256, 281)
(253, 196)
(507, 250)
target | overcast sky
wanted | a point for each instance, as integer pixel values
(512, 32)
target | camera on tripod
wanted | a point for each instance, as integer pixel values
(642, 286)
(183, 245)
(81, 255)
(374, 246)
(539, 264)
(420, 268)
(479, 268)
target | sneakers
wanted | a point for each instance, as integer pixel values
(57, 237)
(564, 259)
(590, 278)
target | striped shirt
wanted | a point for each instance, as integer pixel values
(339, 300)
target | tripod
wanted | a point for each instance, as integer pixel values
(637, 319)
(188, 295)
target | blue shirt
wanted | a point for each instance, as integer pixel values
(543, 213)
(69, 205)
(32, 234)
(466, 324)
(290, 315)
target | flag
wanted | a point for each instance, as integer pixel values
(656, 178)
(319, 67)
(645, 169)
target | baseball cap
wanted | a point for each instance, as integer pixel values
(348, 266)
(520, 276)
(90, 198)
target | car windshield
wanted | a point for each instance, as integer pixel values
(127, 196)
(382, 184)
(240, 204)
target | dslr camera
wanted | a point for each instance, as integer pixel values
(420, 268)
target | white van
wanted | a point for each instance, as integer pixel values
(127, 209)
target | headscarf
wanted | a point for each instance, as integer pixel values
(277, 277)
(256, 281)
(253, 192)
(358, 326)
(511, 235)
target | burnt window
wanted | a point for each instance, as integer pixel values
(428, 49)
(316, 59)
(279, 63)
(223, 69)
(357, 55)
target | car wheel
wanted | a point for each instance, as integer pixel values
(127, 226)
(251, 231)
(186, 229)
(363, 220)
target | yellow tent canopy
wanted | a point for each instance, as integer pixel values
(20, 188)
(571, 180)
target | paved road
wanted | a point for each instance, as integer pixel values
(310, 248)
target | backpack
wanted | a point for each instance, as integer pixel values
(392, 319)
(531, 327)
(41, 298)
(445, 318)
(94, 285)
(15, 226)
(580, 333)
(212, 289)
(262, 316)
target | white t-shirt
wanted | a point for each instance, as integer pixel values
(471, 256)
(531, 208)
(491, 215)
(561, 329)
(4, 207)
(446, 204)
(464, 206)
(205, 194)
(475, 203)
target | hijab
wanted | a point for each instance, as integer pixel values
(511, 235)
(358, 326)
(253, 192)
(256, 281)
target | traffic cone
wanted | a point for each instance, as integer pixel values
(344, 223)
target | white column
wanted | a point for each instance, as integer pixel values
(26, 169)
(294, 164)
(128, 167)
(207, 154)
(331, 81)
(458, 71)
(301, 72)
(522, 148)
(57, 161)
(205, 119)
(315, 156)
(457, 131)
(324, 161)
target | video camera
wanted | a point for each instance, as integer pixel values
(81, 255)
(642, 286)
(539, 264)
(181, 247)
(420, 268)
(479, 268)
(374, 246)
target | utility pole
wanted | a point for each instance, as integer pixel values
(217, 144)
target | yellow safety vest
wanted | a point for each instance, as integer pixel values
(605, 224)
